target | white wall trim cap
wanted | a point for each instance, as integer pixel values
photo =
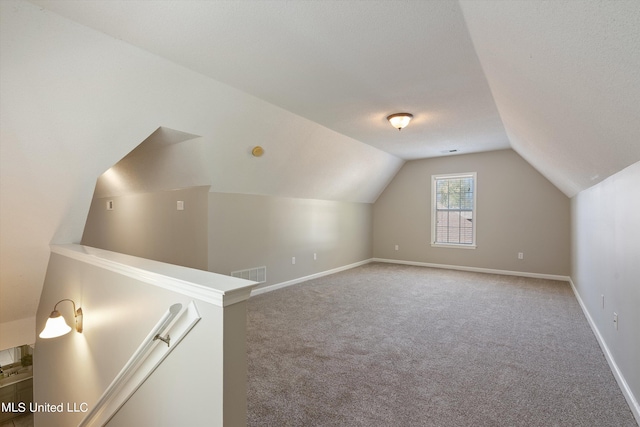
(203, 285)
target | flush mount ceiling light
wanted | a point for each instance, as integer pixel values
(56, 325)
(400, 120)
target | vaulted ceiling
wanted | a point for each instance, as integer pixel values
(84, 82)
(555, 80)
(343, 64)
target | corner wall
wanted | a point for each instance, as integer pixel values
(606, 263)
(149, 225)
(518, 210)
(247, 231)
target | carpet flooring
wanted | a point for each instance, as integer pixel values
(393, 345)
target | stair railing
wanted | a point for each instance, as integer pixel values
(163, 338)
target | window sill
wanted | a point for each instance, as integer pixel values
(453, 246)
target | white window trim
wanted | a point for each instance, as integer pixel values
(433, 211)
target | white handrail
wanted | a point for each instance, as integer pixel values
(144, 361)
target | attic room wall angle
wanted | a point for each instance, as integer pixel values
(158, 203)
(166, 160)
(153, 202)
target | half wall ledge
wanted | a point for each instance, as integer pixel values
(214, 288)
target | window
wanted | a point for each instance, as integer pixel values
(453, 216)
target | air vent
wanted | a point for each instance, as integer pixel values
(257, 274)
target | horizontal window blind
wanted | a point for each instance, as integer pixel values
(454, 209)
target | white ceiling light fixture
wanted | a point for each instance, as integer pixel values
(400, 120)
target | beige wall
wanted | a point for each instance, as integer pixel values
(247, 231)
(606, 262)
(518, 210)
(223, 232)
(149, 225)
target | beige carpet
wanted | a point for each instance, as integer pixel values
(391, 345)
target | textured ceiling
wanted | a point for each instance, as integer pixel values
(561, 84)
(565, 77)
(345, 65)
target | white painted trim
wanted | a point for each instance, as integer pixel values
(622, 383)
(258, 291)
(149, 355)
(475, 269)
(453, 246)
(434, 178)
(217, 289)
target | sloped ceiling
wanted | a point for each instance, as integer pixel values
(167, 160)
(562, 75)
(565, 77)
(310, 81)
(346, 65)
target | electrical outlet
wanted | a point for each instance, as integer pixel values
(293, 260)
(520, 255)
(109, 205)
(315, 256)
(180, 205)
(397, 247)
(615, 320)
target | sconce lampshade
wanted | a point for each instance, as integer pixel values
(400, 120)
(56, 326)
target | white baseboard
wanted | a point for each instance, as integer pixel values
(622, 383)
(270, 288)
(273, 287)
(475, 269)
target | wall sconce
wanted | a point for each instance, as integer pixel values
(400, 120)
(56, 325)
